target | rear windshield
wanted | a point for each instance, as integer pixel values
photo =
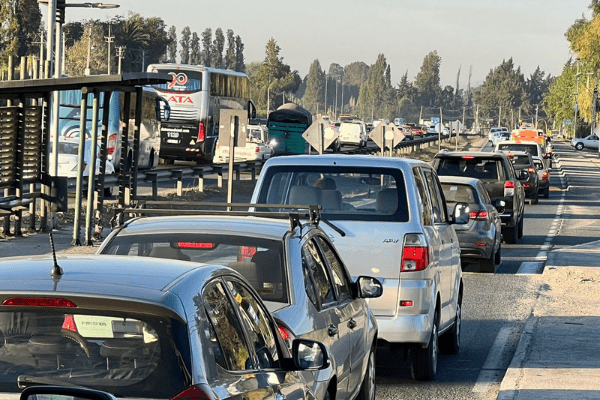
(475, 167)
(126, 355)
(455, 193)
(521, 161)
(259, 260)
(529, 148)
(345, 193)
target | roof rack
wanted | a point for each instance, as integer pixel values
(312, 212)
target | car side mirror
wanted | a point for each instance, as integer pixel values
(166, 108)
(309, 355)
(500, 205)
(368, 287)
(523, 174)
(460, 214)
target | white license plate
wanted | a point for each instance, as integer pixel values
(175, 141)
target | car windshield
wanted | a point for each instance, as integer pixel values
(529, 148)
(127, 355)
(345, 193)
(473, 167)
(260, 261)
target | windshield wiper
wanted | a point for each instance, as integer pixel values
(24, 381)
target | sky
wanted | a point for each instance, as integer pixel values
(470, 35)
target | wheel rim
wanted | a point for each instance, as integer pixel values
(371, 376)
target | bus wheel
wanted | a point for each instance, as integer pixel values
(151, 160)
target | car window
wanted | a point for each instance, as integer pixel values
(340, 279)
(317, 271)
(438, 207)
(483, 194)
(455, 193)
(473, 167)
(426, 213)
(345, 193)
(259, 330)
(227, 327)
(529, 148)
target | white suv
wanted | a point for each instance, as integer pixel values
(388, 219)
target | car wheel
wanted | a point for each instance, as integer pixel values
(579, 146)
(520, 231)
(488, 264)
(546, 193)
(498, 255)
(367, 389)
(450, 341)
(534, 199)
(511, 235)
(424, 361)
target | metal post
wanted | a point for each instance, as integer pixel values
(325, 108)
(139, 93)
(91, 188)
(321, 139)
(109, 39)
(440, 131)
(80, 157)
(235, 122)
(50, 27)
(537, 107)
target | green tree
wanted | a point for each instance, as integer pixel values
(19, 27)
(230, 59)
(207, 47)
(217, 49)
(239, 54)
(427, 81)
(196, 52)
(559, 101)
(377, 97)
(185, 42)
(313, 95)
(76, 56)
(172, 45)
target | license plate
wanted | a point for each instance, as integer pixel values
(174, 141)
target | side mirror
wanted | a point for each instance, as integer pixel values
(523, 174)
(166, 109)
(460, 214)
(251, 110)
(368, 287)
(309, 355)
(64, 392)
(500, 204)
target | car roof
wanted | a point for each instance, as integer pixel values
(488, 154)
(139, 279)
(461, 180)
(271, 228)
(345, 160)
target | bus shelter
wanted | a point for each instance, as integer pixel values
(25, 145)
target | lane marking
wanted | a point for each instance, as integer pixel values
(497, 361)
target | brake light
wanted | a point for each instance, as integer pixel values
(509, 185)
(257, 150)
(415, 255)
(192, 393)
(112, 139)
(285, 335)
(478, 215)
(545, 176)
(246, 253)
(195, 245)
(69, 323)
(531, 170)
(526, 185)
(38, 302)
(468, 157)
(201, 132)
(510, 155)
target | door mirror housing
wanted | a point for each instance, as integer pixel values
(367, 287)
(460, 214)
(523, 174)
(500, 205)
(166, 108)
(309, 355)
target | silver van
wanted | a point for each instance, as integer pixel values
(388, 219)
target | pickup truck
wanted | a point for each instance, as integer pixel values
(257, 147)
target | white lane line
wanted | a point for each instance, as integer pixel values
(531, 268)
(497, 361)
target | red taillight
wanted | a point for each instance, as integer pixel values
(509, 185)
(38, 302)
(511, 156)
(246, 253)
(406, 303)
(415, 258)
(468, 157)
(69, 323)
(195, 245)
(112, 139)
(285, 335)
(257, 150)
(201, 132)
(478, 215)
(531, 170)
(545, 176)
(192, 393)
(526, 185)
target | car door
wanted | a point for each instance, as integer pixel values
(353, 312)
(335, 332)
(243, 344)
(592, 142)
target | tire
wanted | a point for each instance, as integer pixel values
(450, 341)
(511, 235)
(424, 361)
(488, 264)
(520, 230)
(579, 146)
(151, 160)
(367, 388)
(534, 199)
(498, 255)
(546, 194)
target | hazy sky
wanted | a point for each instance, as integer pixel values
(475, 34)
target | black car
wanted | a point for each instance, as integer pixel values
(523, 161)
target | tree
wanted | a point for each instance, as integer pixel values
(230, 59)
(19, 27)
(217, 49)
(185, 43)
(239, 54)
(196, 52)
(172, 46)
(427, 80)
(377, 98)
(207, 47)
(76, 56)
(314, 87)
(559, 102)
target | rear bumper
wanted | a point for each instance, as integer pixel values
(414, 329)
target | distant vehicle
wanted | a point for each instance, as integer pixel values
(543, 177)
(588, 142)
(399, 121)
(480, 239)
(196, 95)
(523, 161)
(146, 329)
(354, 133)
(257, 147)
(500, 136)
(533, 148)
(286, 126)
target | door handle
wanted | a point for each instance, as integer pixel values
(332, 331)
(352, 324)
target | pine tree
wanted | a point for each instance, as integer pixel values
(196, 52)
(185, 43)
(172, 46)
(217, 49)
(314, 87)
(230, 60)
(207, 47)
(240, 66)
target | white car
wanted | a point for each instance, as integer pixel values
(354, 133)
(257, 147)
(500, 136)
(588, 142)
(68, 161)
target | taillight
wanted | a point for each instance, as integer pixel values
(38, 302)
(192, 393)
(112, 140)
(246, 253)
(415, 255)
(545, 176)
(257, 149)
(201, 132)
(531, 170)
(509, 185)
(286, 335)
(478, 215)
(69, 323)
(526, 185)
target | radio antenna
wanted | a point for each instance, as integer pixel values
(57, 271)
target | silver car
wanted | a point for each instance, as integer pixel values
(296, 270)
(543, 177)
(481, 238)
(146, 329)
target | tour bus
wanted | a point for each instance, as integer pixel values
(196, 96)
(149, 147)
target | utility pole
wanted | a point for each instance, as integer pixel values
(325, 109)
(121, 55)
(336, 97)
(499, 115)
(109, 39)
(576, 99)
(537, 107)
(421, 114)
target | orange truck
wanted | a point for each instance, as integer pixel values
(533, 135)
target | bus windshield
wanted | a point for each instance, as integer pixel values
(183, 81)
